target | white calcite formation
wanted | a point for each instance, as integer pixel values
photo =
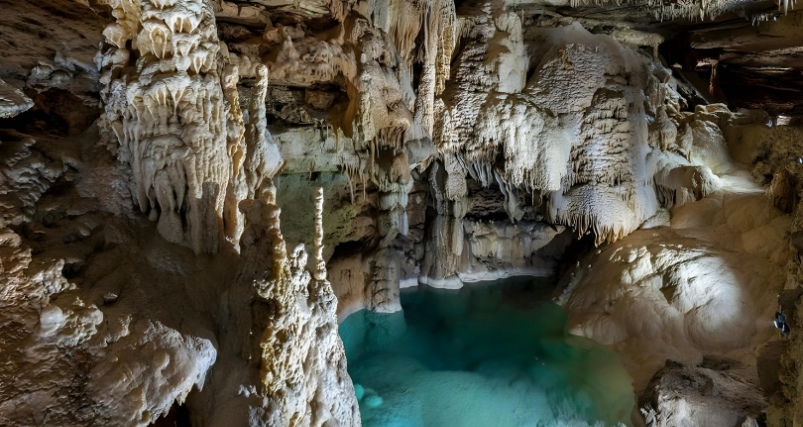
(12, 100)
(156, 207)
(705, 284)
(148, 325)
(595, 137)
(164, 103)
(303, 364)
(575, 134)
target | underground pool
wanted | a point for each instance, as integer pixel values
(491, 354)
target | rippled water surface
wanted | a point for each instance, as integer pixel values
(492, 354)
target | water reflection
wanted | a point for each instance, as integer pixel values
(490, 354)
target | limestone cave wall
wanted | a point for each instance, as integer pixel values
(194, 192)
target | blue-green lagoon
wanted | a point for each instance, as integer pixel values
(492, 354)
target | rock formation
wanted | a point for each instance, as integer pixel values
(166, 164)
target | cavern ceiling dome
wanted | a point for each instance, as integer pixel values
(401, 213)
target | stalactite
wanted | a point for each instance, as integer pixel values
(263, 159)
(439, 41)
(236, 148)
(174, 138)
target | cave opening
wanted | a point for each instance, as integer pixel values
(178, 416)
(491, 353)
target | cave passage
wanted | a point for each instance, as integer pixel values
(489, 354)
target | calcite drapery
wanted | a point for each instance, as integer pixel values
(165, 104)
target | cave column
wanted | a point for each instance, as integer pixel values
(445, 241)
(165, 105)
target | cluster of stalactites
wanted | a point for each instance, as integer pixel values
(701, 10)
(785, 4)
(180, 128)
(440, 31)
(572, 136)
(584, 224)
(684, 9)
(378, 117)
(168, 114)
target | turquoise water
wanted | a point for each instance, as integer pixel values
(492, 354)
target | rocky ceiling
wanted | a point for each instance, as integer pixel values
(748, 54)
(755, 43)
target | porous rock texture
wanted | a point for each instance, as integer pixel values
(165, 164)
(111, 319)
(719, 392)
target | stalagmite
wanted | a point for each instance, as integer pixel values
(262, 159)
(302, 364)
(320, 264)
